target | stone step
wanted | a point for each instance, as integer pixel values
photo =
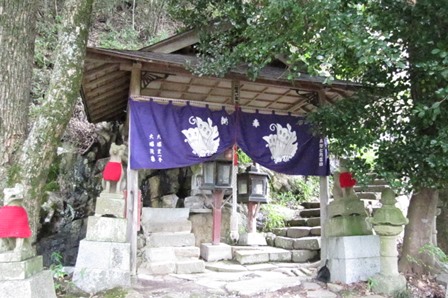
(278, 254)
(298, 232)
(313, 222)
(303, 256)
(316, 231)
(251, 256)
(167, 226)
(151, 215)
(307, 213)
(301, 222)
(106, 229)
(157, 268)
(370, 188)
(190, 266)
(170, 239)
(159, 254)
(368, 196)
(280, 231)
(103, 255)
(311, 205)
(308, 243)
(186, 252)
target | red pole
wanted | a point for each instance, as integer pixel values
(251, 208)
(218, 195)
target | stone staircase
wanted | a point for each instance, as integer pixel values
(170, 245)
(300, 236)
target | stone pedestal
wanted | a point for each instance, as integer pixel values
(353, 258)
(104, 256)
(252, 239)
(39, 285)
(211, 252)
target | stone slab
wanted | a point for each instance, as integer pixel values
(284, 242)
(225, 267)
(353, 270)
(260, 285)
(261, 267)
(106, 229)
(186, 252)
(298, 232)
(159, 254)
(310, 205)
(17, 256)
(388, 285)
(164, 214)
(297, 222)
(303, 256)
(21, 270)
(111, 195)
(280, 231)
(251, 256)
(170, 239)
(103, 255)
(116, 207)
(211, 253)
(321, 294)
(167, 226)
(314, 212)
(40, 285)
(96, 280)
(351, 247)
(308, 243)
(279, 255)
(252, 239)
(157, 268)
(313, 222)
(316, 231)
(190, 266)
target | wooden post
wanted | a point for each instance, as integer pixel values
(132, 178)
(234, 233)
(218, 196)
(323, 198)
(251, 220)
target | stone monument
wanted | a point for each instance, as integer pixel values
(353, 252)
(21, 271)
(103, 260)
(388, 223)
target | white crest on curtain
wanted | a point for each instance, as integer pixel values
(283, 145)
(204, 138)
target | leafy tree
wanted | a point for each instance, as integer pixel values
(30, 153)
(396, 49)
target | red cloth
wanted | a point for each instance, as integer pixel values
(112, 171)
(346, 180)
(14, 222)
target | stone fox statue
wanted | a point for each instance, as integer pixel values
(113, 171)
(14, 224)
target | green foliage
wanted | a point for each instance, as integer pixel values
(274, 219)
(396, 50)
(371, 283)
(304, 190)
(402, 294)
(435, 252)
(58, 271)
(243, 158)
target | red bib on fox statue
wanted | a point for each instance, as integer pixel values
(346, 180)
(14, 222)
(112, 171)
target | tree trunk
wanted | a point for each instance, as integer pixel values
(17, 32)
(442, 221)
(40, 147)
(421, 214)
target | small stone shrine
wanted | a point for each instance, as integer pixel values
(21, 271)
(353, 252)
(388, 223)
(103, 260)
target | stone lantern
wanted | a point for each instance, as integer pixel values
(388, 223)
(253, 191)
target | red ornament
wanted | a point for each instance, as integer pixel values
(112, 171)
(346, 180)
(14, 222)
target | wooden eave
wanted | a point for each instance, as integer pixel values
(105, 86)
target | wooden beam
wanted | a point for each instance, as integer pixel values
(100, 71)
(123, 81)
(174, 43)
(98, 99)
(103, 80)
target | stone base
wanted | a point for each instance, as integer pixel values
(21, 270)
(96, 280)
(353, 259)
(103, 255)
(17, 256)
(388, 285)
(342, 226)
(211, 253)
(115, 207)
(106, 229)
(39, 285)
(252, 239)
